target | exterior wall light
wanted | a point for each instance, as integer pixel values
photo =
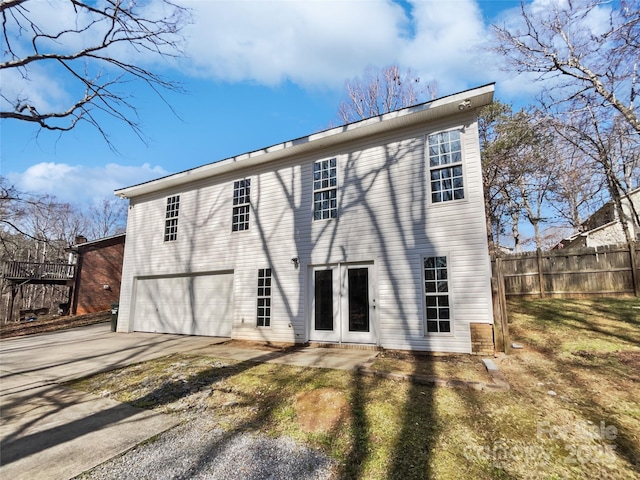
(464, 105)
(295, 261)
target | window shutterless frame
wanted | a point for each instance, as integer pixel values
(438, 317)
(444, 155)
(171, 218)
(264, 298)
(325, 189)
(241, 205)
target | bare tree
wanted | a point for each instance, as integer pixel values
(580, 48)
(518, 170)
(579, 186)
(612, 147)
(382, 91)
(35, 228)
(96, 49)
(106, 218)
(40, 229)
(493, 170)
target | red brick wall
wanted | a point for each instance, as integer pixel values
(100, 265)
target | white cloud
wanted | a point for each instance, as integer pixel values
(319, 44)
(35, 87)
(311, 43)
(448, 44)
(82, 185)
(315, 44)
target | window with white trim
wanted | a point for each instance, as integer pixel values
(445, 166)
(241, 200)
(325, 189)
(264, 297)
(436, 291)
(171, 219)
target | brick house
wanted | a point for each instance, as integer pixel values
(98, 274)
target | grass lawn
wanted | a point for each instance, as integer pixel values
(573, 410)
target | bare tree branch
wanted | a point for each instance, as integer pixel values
(101, 48)
(382, 91)
(570, 55)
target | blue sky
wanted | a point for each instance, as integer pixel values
(258, 73)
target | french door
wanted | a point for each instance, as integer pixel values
(343, 304)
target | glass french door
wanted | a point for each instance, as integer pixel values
(343, 304)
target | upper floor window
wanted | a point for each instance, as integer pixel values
(325, 189)
(445, 166)
(241, 199)
(171, 219)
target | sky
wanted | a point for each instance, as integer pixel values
(257, 73)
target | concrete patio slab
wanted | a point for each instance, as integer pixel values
(334, 358)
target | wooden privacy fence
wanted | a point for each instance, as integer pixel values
(583, 272)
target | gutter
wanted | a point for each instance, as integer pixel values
(415, 115)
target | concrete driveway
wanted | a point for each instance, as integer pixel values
(51, 432)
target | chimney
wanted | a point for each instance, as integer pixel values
(81, 239)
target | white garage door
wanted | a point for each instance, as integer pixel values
(192, 305)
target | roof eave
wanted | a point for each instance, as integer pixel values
(452, 104)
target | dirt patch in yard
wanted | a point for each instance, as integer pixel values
(321, 410)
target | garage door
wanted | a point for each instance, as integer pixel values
(189, 305)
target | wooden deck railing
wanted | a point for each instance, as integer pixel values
(41, 271)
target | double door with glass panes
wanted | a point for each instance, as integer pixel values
(343, 304)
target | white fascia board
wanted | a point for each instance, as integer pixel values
(442, 107)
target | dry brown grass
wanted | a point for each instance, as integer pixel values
(52, 324)
(572, 411)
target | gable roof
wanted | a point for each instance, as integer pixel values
(440, 107)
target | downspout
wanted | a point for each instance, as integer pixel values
(339, 319)
(73, 295)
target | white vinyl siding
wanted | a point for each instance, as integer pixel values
(384, 195)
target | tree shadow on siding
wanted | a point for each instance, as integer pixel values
(192, 231)
(393, 173)
(360, 207)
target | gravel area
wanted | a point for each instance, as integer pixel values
(194, 451)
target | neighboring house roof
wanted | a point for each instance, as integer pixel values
(580, 239)
(97, 243)
(603, 219)
(606, 214)
(418, 114)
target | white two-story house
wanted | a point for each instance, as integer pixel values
(369, 233)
